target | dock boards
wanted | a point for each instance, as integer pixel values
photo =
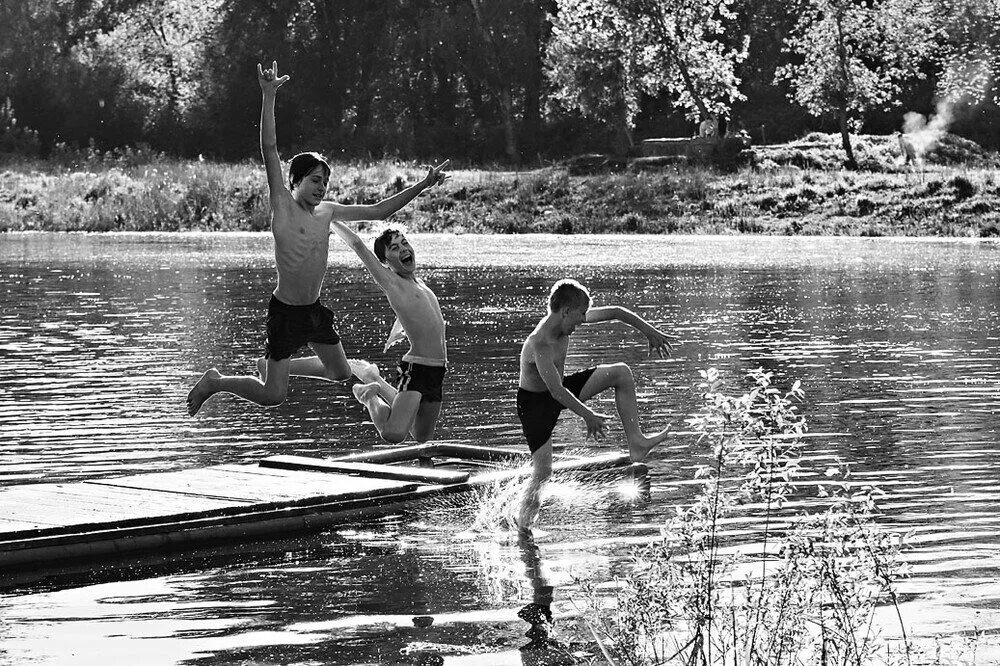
(367, 470)
(141, 499)
(55, 522)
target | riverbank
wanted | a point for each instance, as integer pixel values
(789, 189)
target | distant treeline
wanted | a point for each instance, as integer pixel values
(484, 80)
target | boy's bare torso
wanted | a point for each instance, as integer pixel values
(301, 247)
(538, 345)
(420, 314)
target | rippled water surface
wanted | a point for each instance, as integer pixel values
(896, 342)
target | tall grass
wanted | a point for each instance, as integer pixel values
(141, 190)
(804, 593)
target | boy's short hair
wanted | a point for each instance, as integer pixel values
(382, 242)
(302, 164)
(568, 293)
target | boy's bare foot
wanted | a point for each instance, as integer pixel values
(202, 391)
(363, 370)
(365, 393)
(638, 451)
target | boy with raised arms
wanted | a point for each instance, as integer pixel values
(543, 390)
(412, 406)
(300, 223)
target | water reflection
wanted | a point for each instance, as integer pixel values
(895, 342)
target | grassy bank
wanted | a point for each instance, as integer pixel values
(789, 189)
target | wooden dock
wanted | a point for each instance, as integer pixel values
(58, 522)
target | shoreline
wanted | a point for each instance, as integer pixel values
(959, 200)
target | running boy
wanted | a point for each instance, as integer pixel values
(414, 404)
(300, 223)
(543, 392)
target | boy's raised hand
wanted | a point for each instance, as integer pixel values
(659, 343)
(268, 78)
(435, 175)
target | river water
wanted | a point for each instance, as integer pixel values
(896, 343)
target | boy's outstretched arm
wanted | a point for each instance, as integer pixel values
(269, 83)
(378, 270)
(659, 342)
(388, 206)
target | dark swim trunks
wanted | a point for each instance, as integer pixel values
(427, 379)
(289, 327)
(539, 411)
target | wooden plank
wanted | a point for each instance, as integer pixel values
(424, 451)
(473, 452)
(368, 470)
(87, 502)
(238, 483)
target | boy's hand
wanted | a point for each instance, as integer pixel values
(268, 78)
(596, 425)
(659, 343)
(435, 176)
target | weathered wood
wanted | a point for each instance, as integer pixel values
(425, 451)
(42, 523)
(367, 470)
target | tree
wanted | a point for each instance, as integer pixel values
(970, 57)
(605, 54)
(852, 57)
(161, 46)
(592, 65)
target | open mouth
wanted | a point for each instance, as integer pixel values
(406, 258)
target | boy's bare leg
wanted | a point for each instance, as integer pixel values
(393, 422)
(541, 470)
(425, 421)
(267, 393)
(330, 363)
(619, 376)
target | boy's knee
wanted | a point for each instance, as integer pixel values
(335, 376)
(393, 436)
(273, 399)
(623, 372)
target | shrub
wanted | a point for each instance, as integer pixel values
(815, 586)
(962, 186)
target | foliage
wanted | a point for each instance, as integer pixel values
(796, 188)
(15, 139)
(465, 78)
(852, 57)
(605, 54)
(591, 62)
(808, 593)
(161, 47)
(970, 54)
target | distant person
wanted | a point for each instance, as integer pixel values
(300, 223)
(413, 405)
(906, 148)
(543, 390)
(709, 127)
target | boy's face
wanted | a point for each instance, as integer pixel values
(312, 188)
(573, 317)
(399, 255)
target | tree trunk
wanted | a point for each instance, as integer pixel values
(500, 89)
(845, 139)
(534, 79)
(509, 131)
(845, 73)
